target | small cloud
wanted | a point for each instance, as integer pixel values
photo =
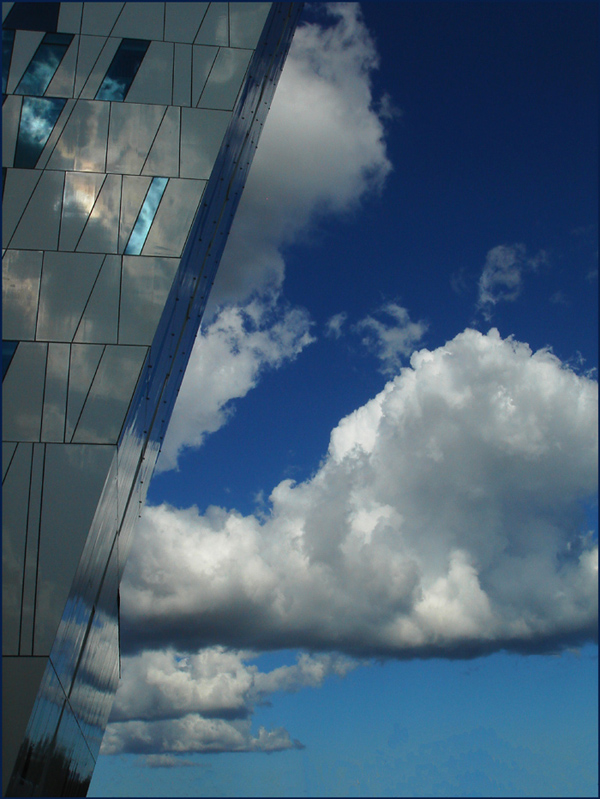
(167, 761)
(391, 342)
(592, 275)
(502, 276)
(458, 281)
(559, 298)
(333, 326)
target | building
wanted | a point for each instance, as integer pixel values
(128, 131)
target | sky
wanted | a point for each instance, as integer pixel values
(368, 560)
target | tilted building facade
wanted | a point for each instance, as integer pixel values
(128, 131)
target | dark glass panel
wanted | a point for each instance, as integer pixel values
(146, 216)
(44, 64)
(38, 118)
(8, 39)
(8, 350)
(33, 16)
(123, 69)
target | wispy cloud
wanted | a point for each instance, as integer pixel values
(333, 326)
(391, 341)
(502, 276)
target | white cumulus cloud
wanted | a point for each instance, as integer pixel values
(445, 520)
(171, 702)
(227, 361)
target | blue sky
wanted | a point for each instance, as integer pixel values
(368, 565)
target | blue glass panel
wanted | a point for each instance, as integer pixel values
(145, 217)
(38, 118)
(122, 70)
(33, 16)
(8, 350)
(8, 39)
(44, 64)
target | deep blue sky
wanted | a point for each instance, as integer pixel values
(493, 142)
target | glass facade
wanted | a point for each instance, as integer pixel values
(128, 130)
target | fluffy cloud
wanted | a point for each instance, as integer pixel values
(502, 276)
(391, 341)
(322, 149)
(445, 520)
(226, 362)
(201, 702)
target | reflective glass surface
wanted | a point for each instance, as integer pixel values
(133, 127)
(8, 38)
(154, 80)
(44, 64)
(145, 217)
(21, 270)
(174, 218)
(33, 16)
(14, 524)
(38, 118)
(55, 393)
(60, 311)
(122, 69)
(22, 393)
(182, 21)
(8, 350)
(82, 143)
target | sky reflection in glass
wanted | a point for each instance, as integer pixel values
(145, 217)
(122, 70)
(38, 118)
(8, 39)
(44, 64)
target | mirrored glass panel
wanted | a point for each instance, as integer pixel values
(122, 70)
(14, 525)
(201, 137)
(38, 228)
(100, 19)
(100, 318)
(82, 144)
(44, 64)
(84, 364)
(146, 284)
(60, 311)
(246, 22)
(26, 43)
(11, 114)
(38, 118)
(22, 393)
(73, 480)
(145, 217)
(174, 218)
(19, 186)
(31, 551)
(55, 394)
(21, 270)
(81, 190)
(182, 21)
(101, 233)
(225, 79)
(33, 16)
(132, 131)
(215, 26)
(107, 403)
(8, 39)
(141, 20)
(8, 350)
(154, 80)
(182, 74)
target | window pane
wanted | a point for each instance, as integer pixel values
(122, 70)
(8, 38)
(38, 118)
(145, 217)
(33, 16)
(8, 350)
(44, 64)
